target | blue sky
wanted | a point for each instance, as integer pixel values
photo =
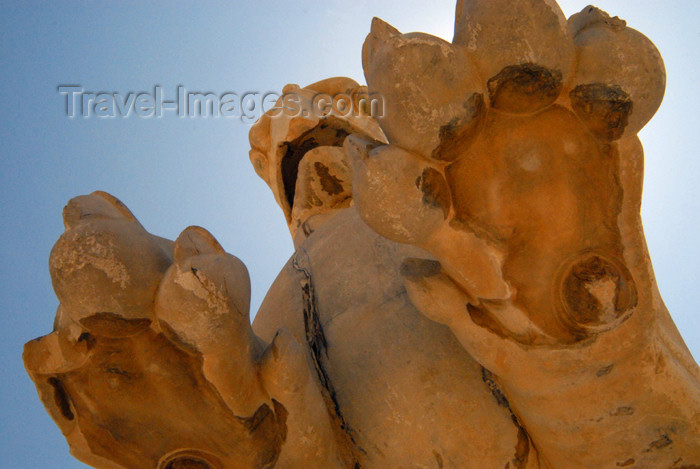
(176, 172)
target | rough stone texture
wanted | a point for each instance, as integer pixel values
(470, 287)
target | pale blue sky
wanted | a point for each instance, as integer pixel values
(176, 172)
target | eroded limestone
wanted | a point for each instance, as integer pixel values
(470, 287)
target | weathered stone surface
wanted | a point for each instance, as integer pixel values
(523, 49)
(300, 123)
(92, 272)
(184, 381)
(420, 103)
(621, 61)
(470, 287)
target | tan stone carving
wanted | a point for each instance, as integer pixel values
(470, 287)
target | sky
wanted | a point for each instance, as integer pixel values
(174, 172)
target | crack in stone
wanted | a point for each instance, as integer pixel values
(522, 447)
(316, 340)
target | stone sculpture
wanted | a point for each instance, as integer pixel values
(470, 287)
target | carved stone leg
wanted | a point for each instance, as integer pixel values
(513, 159)
(153, 362)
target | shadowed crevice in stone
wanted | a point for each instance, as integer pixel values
(662, 442)
(457, 135)
(605, 109)
(316, 339)
(113, 325)
(61, 398)
(522, 447)
(270, 425)
(330, 132)
(436, 191)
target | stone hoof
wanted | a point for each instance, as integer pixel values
(398, 194)
(105, 264)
